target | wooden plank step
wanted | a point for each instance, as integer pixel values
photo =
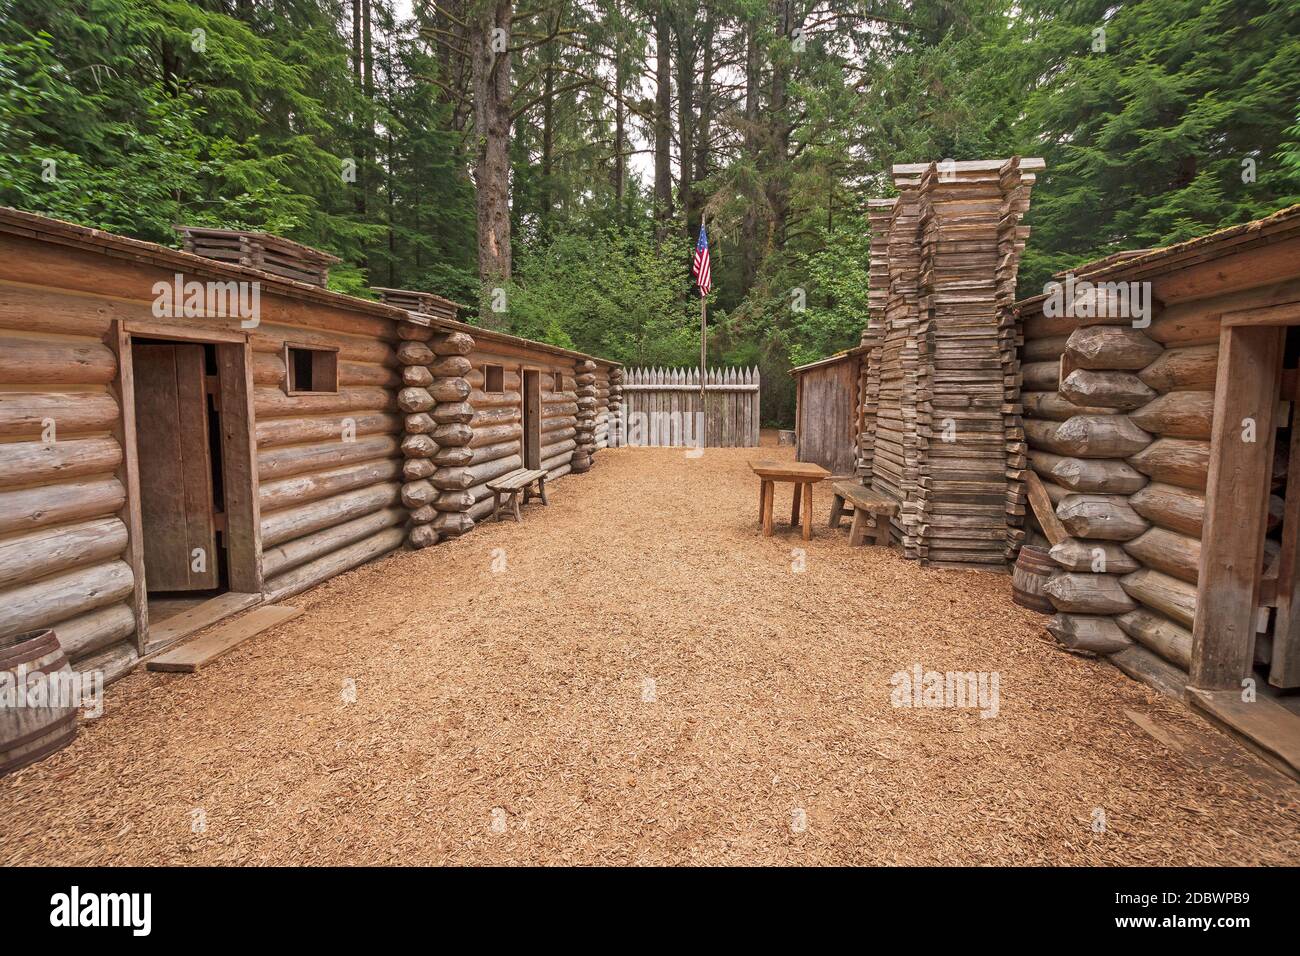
(198, 617)
(190, 657)
(1272, 729)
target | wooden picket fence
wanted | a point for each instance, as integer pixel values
(662, 407)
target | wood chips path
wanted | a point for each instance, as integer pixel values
(646, 679)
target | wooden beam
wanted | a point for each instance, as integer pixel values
(1236, 505)
(129, 475)
(1044, 510)
(243, 535)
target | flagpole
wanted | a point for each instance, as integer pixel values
(704, 327)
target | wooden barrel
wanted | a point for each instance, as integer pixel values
(1033, 568)
(28, 734)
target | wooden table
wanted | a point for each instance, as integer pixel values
(803, 475)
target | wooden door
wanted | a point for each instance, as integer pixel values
(176, 499)
(532, 419)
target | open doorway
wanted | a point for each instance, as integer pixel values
(197, 491)
(532, 401)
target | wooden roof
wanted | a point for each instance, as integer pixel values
(830, 359)
(58, 231)
(1247, 237)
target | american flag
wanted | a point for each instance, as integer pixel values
(700, 267)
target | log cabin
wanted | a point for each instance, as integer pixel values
(184, 437)
(1159, 398)
(828, 411)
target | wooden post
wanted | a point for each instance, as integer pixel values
(1236, 505)
(704, 333)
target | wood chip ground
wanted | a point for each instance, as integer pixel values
(508, 716)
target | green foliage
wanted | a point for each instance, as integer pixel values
(132, 115)
(618, 293)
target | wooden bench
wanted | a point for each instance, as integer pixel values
(512, 484)
(870, 509)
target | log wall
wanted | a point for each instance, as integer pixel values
(400, 452)
(1118, 421)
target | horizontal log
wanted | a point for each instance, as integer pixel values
(447, 413)
(1186, 369)
(1097, 475)
(417, 375)
(1105, 517)
(292, 554)
(503, 415)
(64, 595)
(480, 399)
(1100, 436)
(28, 557)
(289, 492)
(274, 403)
(113, 662)
(1120, 390)
(271, 337)
(295, 522)
(95, 630)
(29, 415)
(296, 431)
(558, 448)
(417, 494)
(1177, 415)
(453, 343)
(1088, 633)
(414, 399)
(1041, 434)
(1112, 347)
(1175, 461)
(1171, 507)
(1087, 593)
(503, 449)
(1039, 376)
(1175, 554)
(308, 575)
(458, 479)
(61, 503)
(495, 434)
(1055, 406)
(36, 462)
(410, 352)
(1158, 634)
(452, 524)
(1174, 598)
(286, 461)
(25, 361)
(1093, 557)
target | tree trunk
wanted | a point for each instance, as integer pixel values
(749, 251)
(663, 107)
(491, 61)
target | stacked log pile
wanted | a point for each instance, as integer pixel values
(615, 407)
(1118, 424)
(941, 419)
(895, 462)
(602, 406)
(880, 212)
(453, 413)
(971, 239)
(586, 428)
(418, 446)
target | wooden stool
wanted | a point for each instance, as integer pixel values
(870, 507)
(803, 475)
